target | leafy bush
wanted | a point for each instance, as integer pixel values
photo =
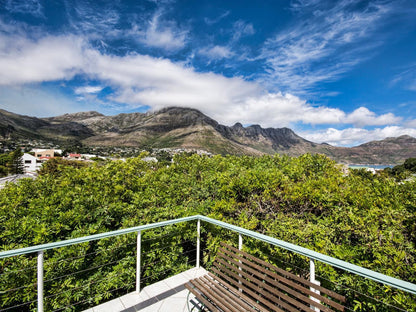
(11, 163)
(366, 220)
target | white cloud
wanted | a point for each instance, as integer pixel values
(48, 59)
(322, 47)
(238, 30)
(94, 20)
(161, 34)
(211, 21)
(141, 80)
(406, 78)
(88, 89)
(144, 80)
(241, 29)
(364, 117)
(216, 52)
(356, 136)
(411, 123)
(278, 110)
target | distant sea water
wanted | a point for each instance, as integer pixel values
(377, 167)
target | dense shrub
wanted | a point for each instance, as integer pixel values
(366, 220)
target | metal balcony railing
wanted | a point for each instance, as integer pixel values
(190, 252)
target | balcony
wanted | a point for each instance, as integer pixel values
(144, 268)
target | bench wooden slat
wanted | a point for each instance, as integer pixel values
(200, 297)
(332, 295)
(263, 274)
(288, 274)
(284, 280)
(253, 296)
(269, 276)
(272, 288)
(273, 295)
(239, 281)
(241, 294)
(214, 295)
(253, 290)
(234, 300)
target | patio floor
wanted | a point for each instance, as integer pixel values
(169, 295)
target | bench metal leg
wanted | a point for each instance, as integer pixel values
(195, 304)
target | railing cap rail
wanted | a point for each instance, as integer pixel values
(382, 278)
(84, 239)
(349, 267)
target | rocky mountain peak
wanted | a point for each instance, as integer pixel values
(76, 116)
(180, 127)
(183, 116)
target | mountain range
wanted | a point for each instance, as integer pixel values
(187, 128)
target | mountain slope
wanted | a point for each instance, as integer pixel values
(387, 151)
(16, 126)
(176, 127)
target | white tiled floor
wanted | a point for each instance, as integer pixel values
(169, 295)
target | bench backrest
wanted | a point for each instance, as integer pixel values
(271, 287)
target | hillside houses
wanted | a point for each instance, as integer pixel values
(33, 162)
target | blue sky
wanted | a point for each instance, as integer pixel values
(341, 72)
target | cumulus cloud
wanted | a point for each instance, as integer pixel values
(278, 109)
(411, 123)
(356, 136)
(145, 81)
(364, 117)
(51, 58)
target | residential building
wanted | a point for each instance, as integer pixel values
(31, 164)
(74, 156)
(45, 153)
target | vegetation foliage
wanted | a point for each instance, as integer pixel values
(11, 163)
(403, 171)
(368, 220)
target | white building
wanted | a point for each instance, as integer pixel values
(31, 164)
(88, 156)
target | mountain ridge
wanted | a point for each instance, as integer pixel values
(178, 127)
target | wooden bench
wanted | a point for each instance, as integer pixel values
(241, 282)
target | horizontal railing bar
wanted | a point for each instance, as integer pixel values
(84, 239)
(349, 267)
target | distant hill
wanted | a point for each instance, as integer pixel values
(176, 127)
(387, 151)
(13, 126)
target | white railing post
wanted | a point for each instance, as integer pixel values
(240, 247)
(139, 247)
(198, 243)
(313, 280)
(40, 281)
